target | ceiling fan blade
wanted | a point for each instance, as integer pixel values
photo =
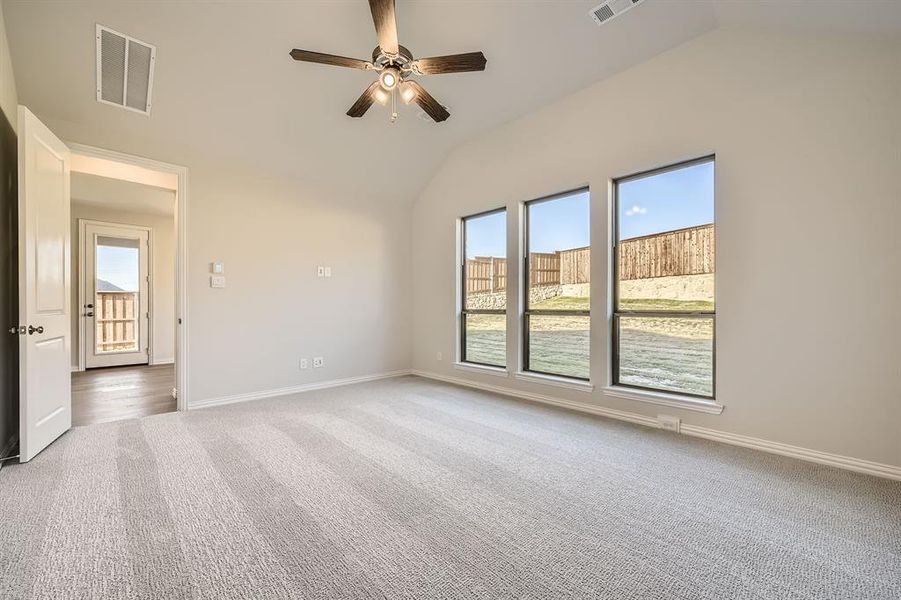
(363, 103)
(455, 63)
(428, 103)
(385, 24)
(330, 59)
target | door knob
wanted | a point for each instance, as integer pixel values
(89, 306)
(32, 329)
(89, 314)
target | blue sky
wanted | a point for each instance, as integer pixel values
(119, 266)
(662, 202)
(487, 236)
(667, 201)
(560, 224)
(555, 225)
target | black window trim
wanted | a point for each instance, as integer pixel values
(527, 312)
(617, 313)
(462, 278)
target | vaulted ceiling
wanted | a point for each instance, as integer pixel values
(227, 94)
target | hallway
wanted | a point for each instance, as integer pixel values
(115, 393)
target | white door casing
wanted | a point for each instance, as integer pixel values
(90, 232)
(45, 403)
(181, 271)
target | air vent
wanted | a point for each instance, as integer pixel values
(608, 10)
(124, 70)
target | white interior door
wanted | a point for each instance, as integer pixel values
(115, 264)
(44, 284)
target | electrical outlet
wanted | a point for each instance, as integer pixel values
(438, 356)
(669, 423)
(318, 362)
(304, 363)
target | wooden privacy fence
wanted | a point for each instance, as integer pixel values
(689, 251)
(560, 268)
(116, 320)
(486, 275)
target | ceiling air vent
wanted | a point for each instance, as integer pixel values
(124, 70)
(613, 8)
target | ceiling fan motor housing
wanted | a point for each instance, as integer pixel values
(403, 60)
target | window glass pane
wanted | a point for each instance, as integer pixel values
(486, 339)
(485, 275)
(116, 304)
(667, 353)
(665, 245)
(558, 345)
(559, 253)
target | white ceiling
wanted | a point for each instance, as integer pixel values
(117, 194)
(227, 94)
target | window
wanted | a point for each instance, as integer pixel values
(483, 318)
(557, 265)
(664, 308)
(117, 301)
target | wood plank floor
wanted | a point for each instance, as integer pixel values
(114, 393)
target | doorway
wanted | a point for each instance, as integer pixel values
(124, 243)
(114, 297)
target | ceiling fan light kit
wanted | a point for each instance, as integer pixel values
(396, 68)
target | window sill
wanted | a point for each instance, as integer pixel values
(664, 399)
(562, 382)
(481, 369)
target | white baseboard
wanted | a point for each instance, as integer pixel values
(824, 458)
(163, 361)
(307, 387)
(816, 456)
(579, 406)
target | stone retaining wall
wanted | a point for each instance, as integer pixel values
(497, 300)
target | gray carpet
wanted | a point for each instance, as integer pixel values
(407, 488)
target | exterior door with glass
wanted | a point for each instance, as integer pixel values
(115, 311)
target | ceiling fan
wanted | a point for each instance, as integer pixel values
(396, 67)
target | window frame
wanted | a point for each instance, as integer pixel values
(526, 311)
(463, 312)
(617, 313)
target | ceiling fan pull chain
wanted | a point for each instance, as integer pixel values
(394, 104)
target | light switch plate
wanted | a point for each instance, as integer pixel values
(320, 271)
(328, 271)
(217, 268)
(217, 281)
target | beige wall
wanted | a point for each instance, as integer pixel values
(162, 335)
(807, 134)
(271, 233)
(8, 99)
